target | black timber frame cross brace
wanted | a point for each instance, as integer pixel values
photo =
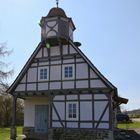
(58, 115)
(13, 134)
(107, 105)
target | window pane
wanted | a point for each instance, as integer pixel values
(41, 70)
(70, 68)
(70, 74)
(68, 71)
(45, 77)
(70, 106)
(41, 76)
(70, 115)
(74, 115)
(66, 68)
(43, 73)
(74, 106)
(45, 70)
(72, 110)
(66, 75)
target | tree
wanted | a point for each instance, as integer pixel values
(4, 72)
(6, 110)
(20, 112)
(6, 99)
(5, 103)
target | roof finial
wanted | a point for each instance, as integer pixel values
(57, 3)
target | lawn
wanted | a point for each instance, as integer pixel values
(5, 133)
(133, 125)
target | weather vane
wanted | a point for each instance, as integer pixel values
(57, 3)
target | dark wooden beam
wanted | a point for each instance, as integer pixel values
(13, 127)
(58, 115)
(102, 115)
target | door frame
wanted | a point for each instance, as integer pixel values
(48, 111)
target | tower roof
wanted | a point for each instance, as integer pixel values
(57, 12)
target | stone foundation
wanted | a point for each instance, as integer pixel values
(70, 134)
(28, 131)
(80, 134)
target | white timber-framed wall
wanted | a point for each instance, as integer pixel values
(84, 78)
(93, 111)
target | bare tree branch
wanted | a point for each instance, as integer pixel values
(3, 50)
(4, 70)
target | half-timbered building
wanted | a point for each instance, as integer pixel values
(65, 95)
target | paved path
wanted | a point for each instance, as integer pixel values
(21, 136)
(133, 134)
(136, 119)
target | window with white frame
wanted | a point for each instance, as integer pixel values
(72, 110)
(68, 71)
(43, 73)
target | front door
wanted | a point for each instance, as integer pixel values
(41, 118)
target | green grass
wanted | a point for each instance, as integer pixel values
(133, 125)
(5, 133)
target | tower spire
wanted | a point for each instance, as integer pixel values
(57, 3)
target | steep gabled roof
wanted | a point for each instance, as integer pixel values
(93, 67)
(30, 60)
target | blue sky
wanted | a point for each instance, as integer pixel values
(109, 31)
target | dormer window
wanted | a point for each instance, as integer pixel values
(68, 71)
(43, 73)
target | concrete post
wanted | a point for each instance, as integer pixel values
(50, 134)
(13, 134)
